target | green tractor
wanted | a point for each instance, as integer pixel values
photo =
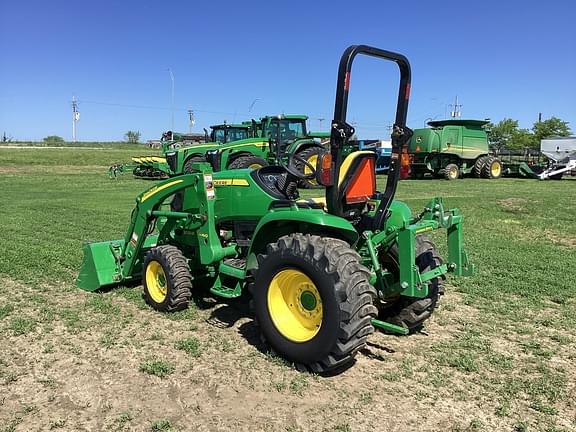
(155, 167)
(451, 149)
(227, 133)
(322, 273)
(278, 137)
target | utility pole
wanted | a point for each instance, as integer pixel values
(172, 103)
(539, 117)
(75, 117)
(191, 120)
(320, 120)
(455, 113)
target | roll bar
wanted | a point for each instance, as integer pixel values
(341, 131)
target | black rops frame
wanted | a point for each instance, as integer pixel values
(341, 131)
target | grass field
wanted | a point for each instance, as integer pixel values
(499, 353)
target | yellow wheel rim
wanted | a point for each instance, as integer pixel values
(156, 281)
(255, 166)
(495, 169)
(453, 173)
(312, 160)
(295, 305)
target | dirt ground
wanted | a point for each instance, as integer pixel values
(75, 361)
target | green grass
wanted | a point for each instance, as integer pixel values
(161, 426)
(159, 368)
(190, 346)
(22, 326)
(87, 144)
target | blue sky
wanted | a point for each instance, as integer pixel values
(503, 59)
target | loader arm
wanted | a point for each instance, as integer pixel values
(112, 262)
(147, 209)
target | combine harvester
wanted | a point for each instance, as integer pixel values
(452, 149)
(322, 273)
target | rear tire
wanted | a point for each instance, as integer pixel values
(166, 279)
(310, 155)
(451, 172)
(492, 169)
(313, 301)
(250, 161)
(411, 312)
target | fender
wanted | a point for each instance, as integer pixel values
(283, 221)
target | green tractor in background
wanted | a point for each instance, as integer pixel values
(155, 167)
(277, 137)
(322, 273)
(453, 148)
(226, 133)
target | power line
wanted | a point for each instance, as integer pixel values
(153, 107)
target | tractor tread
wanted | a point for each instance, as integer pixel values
(479, 166)
(178, 277)
(410, 312)
(448, 171)
(191, 160)
(355, 295)
(245, 162)
(306, 154)
(486, 169)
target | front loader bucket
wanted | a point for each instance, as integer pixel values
(100, 266)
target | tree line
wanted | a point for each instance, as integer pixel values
(132, 137)
(507, 134)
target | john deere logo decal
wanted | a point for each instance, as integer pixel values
(418, 139)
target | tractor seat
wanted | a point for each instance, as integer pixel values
(356, 182)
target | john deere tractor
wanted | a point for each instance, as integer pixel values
(278, 137)
(155, 167)
(451, 149)
(322, 273)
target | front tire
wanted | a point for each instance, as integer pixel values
(251, 161)
(166, 279)
(492, 168)
(313, 301)
(188, 165)
(479, 166)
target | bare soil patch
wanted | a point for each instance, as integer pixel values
(78, 367)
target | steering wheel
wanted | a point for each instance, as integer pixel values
(292, 168)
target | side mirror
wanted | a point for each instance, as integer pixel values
(325, 169)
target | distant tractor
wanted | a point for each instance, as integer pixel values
(276, 137)
(225, 133)
(156, 168)
(451, 149)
